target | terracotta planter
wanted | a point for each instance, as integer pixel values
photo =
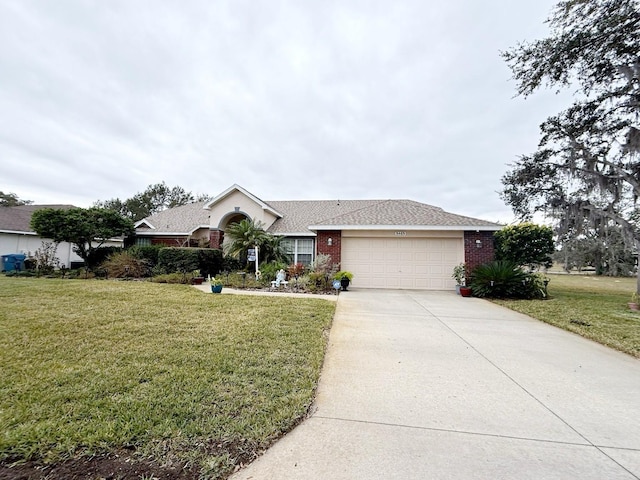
(197, 280)
(465, 291)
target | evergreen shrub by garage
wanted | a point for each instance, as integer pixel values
(505, 279)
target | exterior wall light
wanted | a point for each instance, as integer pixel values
(329, 241)
(479, 243)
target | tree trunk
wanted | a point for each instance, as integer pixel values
(638, 269)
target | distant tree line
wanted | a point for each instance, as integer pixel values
(155, 198)
(12, 200)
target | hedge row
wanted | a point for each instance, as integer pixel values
(208, 260)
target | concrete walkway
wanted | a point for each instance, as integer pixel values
(206, 288)
(430, 385)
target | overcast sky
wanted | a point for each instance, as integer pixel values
(292, 100)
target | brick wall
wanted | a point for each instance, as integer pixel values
(323, 247)
(170, 241)
(474, 256)
(215, 238)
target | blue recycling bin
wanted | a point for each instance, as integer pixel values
(13, 262)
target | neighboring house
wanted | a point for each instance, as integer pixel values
(16, 235)
(384, 243)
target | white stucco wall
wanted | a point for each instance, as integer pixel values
(243, 204)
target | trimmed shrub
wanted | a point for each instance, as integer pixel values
(183, 260)
(525, 244)
(505, 279)
(149, 253)
(210, 261)
(187, 259)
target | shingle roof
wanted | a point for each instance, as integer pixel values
(401, 213)
(184, 219)
(18, 219)
(298, 216)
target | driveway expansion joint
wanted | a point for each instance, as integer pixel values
(459, 432)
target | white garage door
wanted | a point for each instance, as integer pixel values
(407, 263)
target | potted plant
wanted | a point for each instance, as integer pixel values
(633, 304)
(345, 279)
(216, 285)
(460, 276)
(196, 278)
(465, 291)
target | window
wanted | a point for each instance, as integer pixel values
(300, 249)
(143, 241)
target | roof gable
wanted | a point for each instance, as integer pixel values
(184, 220)
(237, 188)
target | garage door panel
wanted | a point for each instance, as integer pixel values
(406, 257)
(421, 256)
(378, 269)
(422, 270)
(420, 263)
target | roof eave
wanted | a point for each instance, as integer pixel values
(292, 234)
(208, 227)
(18, 232)
(162, 234)
(477, 228)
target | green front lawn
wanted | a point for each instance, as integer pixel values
(164, 371)
(592, 306)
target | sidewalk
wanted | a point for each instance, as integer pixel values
(268, 293)
(420, 385)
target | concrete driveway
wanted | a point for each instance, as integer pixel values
(430, 385)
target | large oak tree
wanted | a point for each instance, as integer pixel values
(586, 170)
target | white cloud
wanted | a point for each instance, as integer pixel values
(335, 99)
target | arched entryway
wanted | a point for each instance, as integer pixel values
(217, 235)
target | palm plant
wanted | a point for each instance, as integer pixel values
(241, 236)
(505, 279)
(272, 250)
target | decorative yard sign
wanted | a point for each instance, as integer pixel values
(252, 256)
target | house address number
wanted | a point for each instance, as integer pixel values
(401, 234)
